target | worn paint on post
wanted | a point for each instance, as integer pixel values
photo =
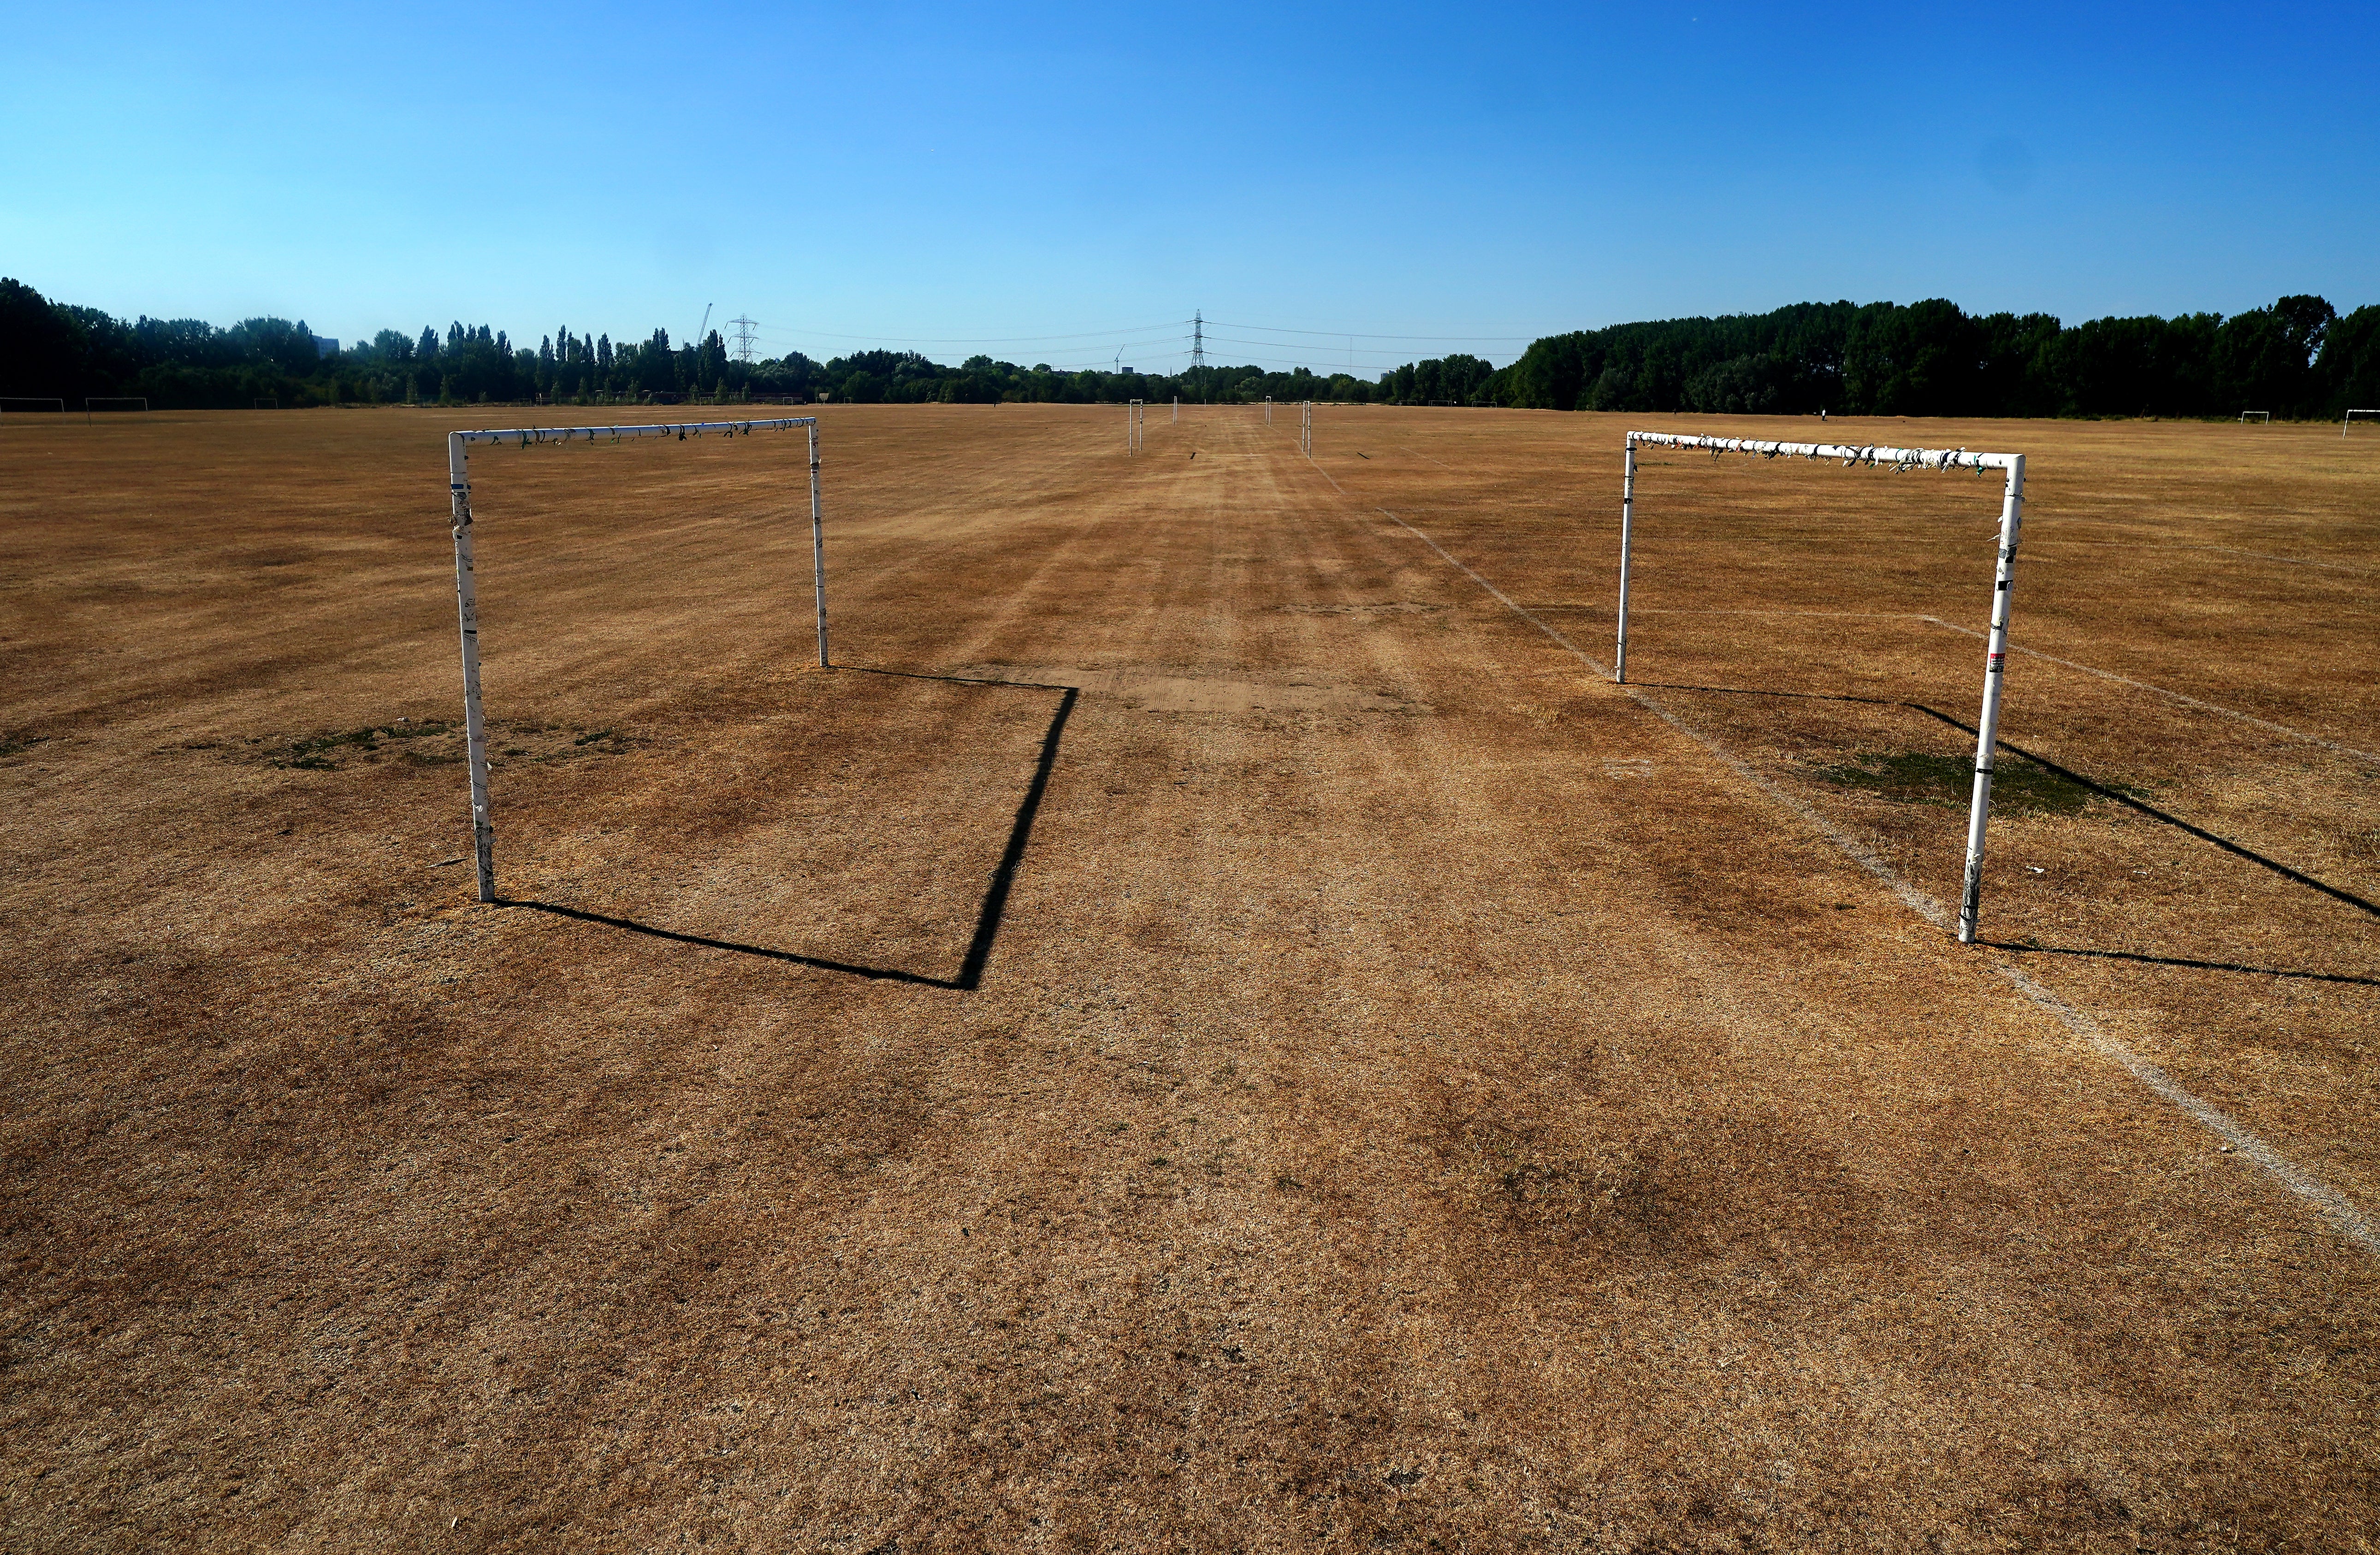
(1979, 804)
(467, 600)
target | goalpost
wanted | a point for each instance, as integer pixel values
(55, 404)
(2348, 419)
(113, 402)
(466, 599)
(266, 404)
(1135, 427)
(1305, 429)
(1979, 804)
(2255, 416)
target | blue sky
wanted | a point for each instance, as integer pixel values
(1055, 183)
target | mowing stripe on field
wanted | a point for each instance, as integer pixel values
(2343, 1216)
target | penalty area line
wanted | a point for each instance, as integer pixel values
(2175, 695)
(2189, 701)
(2342, 1215)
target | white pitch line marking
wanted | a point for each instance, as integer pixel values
(2184, 699)
(1324, 473)
(2343, 1216)
(2176, 695)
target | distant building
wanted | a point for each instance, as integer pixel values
(326, 345)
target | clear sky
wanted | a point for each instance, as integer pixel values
(1055, 183)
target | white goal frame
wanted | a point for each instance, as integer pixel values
(1135, 427)
(2348, 418)
(89, 401)
(1306, 427)
(467, 593)
(7, 400)
(1979, 804)
(269, 402)
(2259, 416)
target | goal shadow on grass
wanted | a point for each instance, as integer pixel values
(995, 897)
(2118, 795)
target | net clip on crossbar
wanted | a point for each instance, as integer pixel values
(467, 600)
(1979, 806)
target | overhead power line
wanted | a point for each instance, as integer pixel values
(999, 339)
(1279, 345)
(1361, 334)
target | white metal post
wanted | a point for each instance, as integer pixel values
(1269, 414)
(1627, 525)
(458, 485)
(1987, 724)
(2004, 581)
(1177, 407)
(817, 545)
(467, 604)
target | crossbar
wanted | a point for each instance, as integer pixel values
(1979, 804)
(467, 593)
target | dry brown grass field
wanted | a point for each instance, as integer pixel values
(1209, 1029)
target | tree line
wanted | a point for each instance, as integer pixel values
(2297, 358)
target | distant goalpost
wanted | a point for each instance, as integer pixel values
(1135, 427)
(466, 597)
(112, 403)
(17, 403)
(1305, 429)
(1979, 804)
(266, 404)
(2349, 418)
(2258, 415)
